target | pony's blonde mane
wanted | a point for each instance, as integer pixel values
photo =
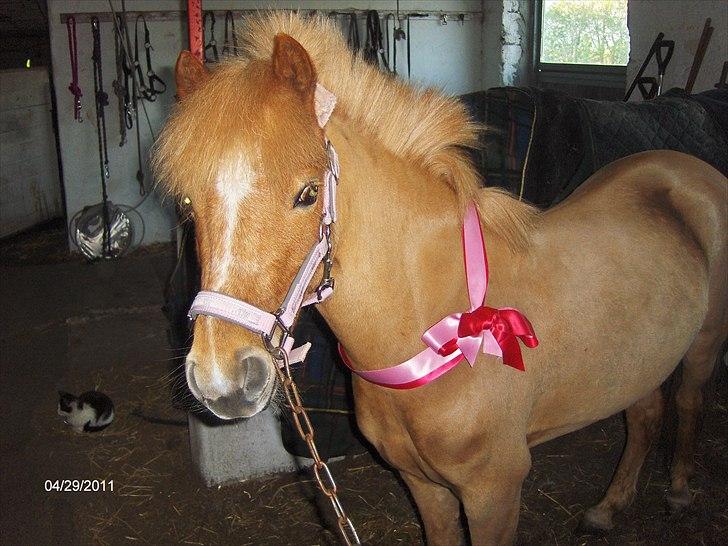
(413, 123)
(418, 124)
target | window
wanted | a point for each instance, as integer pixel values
(585, 32)
(582, 41)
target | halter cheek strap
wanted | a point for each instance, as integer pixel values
(262, 322)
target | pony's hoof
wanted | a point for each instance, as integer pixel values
(598, 519)
(679, 500)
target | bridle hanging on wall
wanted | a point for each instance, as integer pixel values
(101, 98)
(73, 87)
(122, 33)
(353, 34)
(121, 83)
(102, 230)
(144, 91)
(230, 26)
(212, 44)
(373, 47)
(147, 91)
(101, 101)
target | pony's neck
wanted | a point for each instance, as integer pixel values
(398, 262)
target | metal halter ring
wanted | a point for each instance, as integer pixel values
(268, 338)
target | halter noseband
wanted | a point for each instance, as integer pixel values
(264, 323)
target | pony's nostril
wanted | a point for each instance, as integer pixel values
(256, 376)
(191, 382)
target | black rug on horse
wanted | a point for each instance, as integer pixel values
(542, 144)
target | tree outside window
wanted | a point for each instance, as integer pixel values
(592, 32)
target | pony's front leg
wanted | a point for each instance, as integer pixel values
(439, 509)
(492, 497)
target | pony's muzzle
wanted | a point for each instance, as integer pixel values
(245, 394)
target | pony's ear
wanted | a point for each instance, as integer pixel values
(292, 64)
(190, 73)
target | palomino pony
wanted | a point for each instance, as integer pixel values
(620, 282)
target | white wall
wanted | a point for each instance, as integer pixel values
(449, 56)
(681, 21)
(492, 44)
(30, 190)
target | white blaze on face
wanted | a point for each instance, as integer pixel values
(234, 182)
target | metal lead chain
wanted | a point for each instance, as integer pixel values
(321, 471)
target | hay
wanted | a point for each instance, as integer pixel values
(158, 498)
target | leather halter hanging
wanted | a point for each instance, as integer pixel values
(212, 43)
(102, 101)
(150, 90)
(230, 36)
(73, 87)
(373, 47)
(121, 85)
(353, 34)
(130, 66)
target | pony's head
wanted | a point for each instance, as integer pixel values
(245, 148)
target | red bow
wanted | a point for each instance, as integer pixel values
(506, 325)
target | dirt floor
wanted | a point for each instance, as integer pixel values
(72, 325)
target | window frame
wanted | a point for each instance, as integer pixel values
(597, 75)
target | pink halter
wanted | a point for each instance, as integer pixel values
(460, 335)
(262, 322)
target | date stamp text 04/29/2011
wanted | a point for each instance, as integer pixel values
(79, 486)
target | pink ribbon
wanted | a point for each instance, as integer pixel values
(462, 335)
(495, 330)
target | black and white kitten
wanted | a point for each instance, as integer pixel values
(90, 412)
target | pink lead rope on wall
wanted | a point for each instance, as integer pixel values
(460, 335)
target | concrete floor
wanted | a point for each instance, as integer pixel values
(62, 324)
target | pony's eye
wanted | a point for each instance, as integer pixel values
(186, 206)
(307, 196)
